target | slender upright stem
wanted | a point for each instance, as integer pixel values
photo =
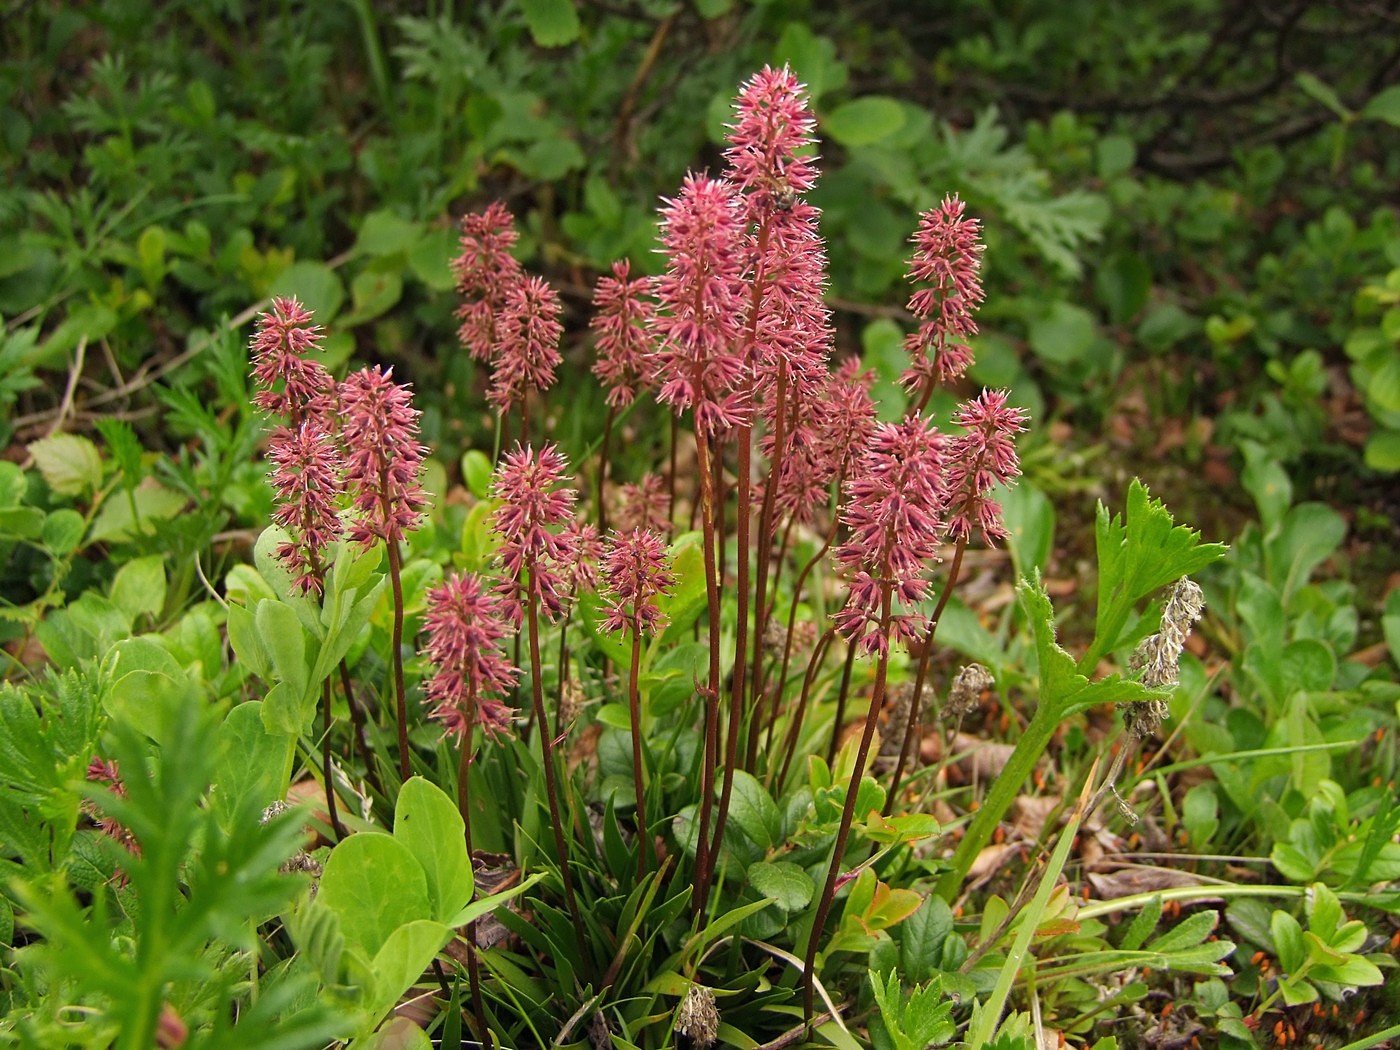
(914, 707)
(634, 705)
(795, 726)
(738, 675)
(357, 724)
(843, 831)
(464, 766)
(326, 771)
(400, 701)
(703, 860)
(532, 624)
(766, 527)
(841, 695)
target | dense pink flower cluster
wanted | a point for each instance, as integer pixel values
(769, 141)
(485, 271)
(894, 509)
(981, 458)
(383, 458)
(279, 351)
(527, 342)
(538, 548)
(636, 572)
(839, 424)
(465, 627)
(948, 255)
(306, 477)
(622, 315)
(700, 305)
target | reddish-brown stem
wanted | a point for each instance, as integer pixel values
(532, 626)
(790, 742)
(703, 861)
(841, 695)
(326, 773)
(464, 766)
(763, 551)
(843, 831)
(634, 704)
(357, 724)
(400, 701)
(914, 707)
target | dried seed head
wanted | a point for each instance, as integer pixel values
(698, 1017)
(1158, 656)
(966, 691)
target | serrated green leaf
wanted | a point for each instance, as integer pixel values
(63, 531)
(753, 811)
(921, 938)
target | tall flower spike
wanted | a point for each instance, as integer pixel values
(306, 477)
(538, 549)
(636, 573)
(383, 458)
(983, 457)
(700, 306)
(465, 629)
(622, 313)
(773, 129)
(291, 385)
(948, 255)
(894, 514)
(485, 271)
(527, 342)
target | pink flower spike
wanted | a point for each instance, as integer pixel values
(538, 549)
(383, 458)
(644, 505)
(636, 570)
(979, 460)
(485, 272)
(700, 304)
(773, 126)
(285, 336)
(894, 513)
(306, 476)
(465, 628)
(948, 255)
(527, 342)
(622, 315)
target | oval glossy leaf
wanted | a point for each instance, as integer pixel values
(315, 285)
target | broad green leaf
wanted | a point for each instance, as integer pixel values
(139, 586)
(1267, 484)
(1188, 933)
(812, 58)
(890, 906)
(427, 822)
(70, 463)
(1383, 451)
(373, 292)
(553, 23)
(864, 120)
(882, 349)
(1355, 972)
(1310, 534)
(1384, 106)
(315, 285)
(250, 763)
(124, 515)
(1030, 525)
(688, 596)
(921, 938)
(375, 885)
(782, 882)
(147, 686)
(285, 640)
(476, 472)
(1288, 941)
(384, 233)
(753, 811)
(405, 954)
(247, 645)
(1064, 334)
(63, 531)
